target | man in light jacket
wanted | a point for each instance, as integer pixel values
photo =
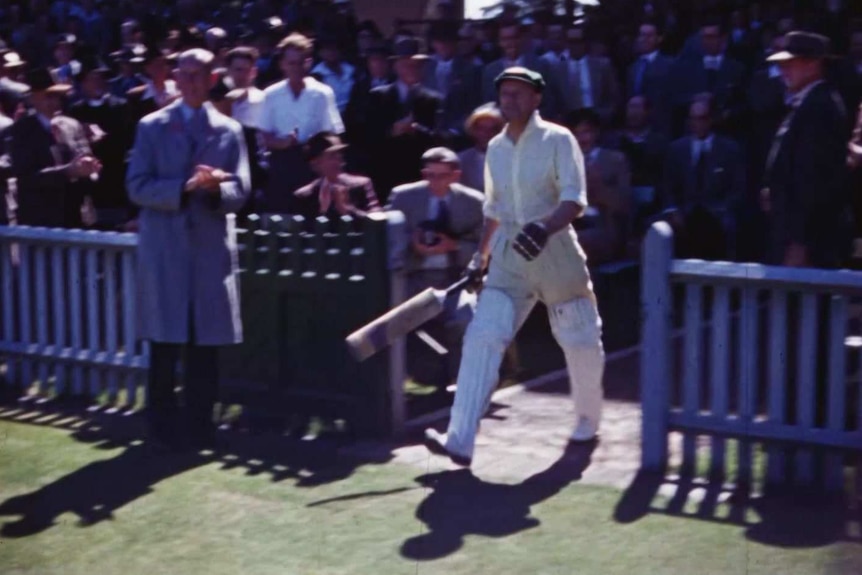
(188, 171)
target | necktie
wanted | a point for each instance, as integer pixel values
(643, 63)
(443, 216)
(196, 129)
(700, 170)
(779, 135)
(711, 79)
(325, 196)
(443, 78)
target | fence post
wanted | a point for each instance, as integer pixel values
(396, 255)
(657, 303)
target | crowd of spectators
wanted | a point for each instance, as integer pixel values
(673, 103)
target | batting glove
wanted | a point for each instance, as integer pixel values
(476, 272)
(531, 241)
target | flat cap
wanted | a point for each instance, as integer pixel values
(524, 75)
(441, 155)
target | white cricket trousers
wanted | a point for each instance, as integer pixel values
(559, 278)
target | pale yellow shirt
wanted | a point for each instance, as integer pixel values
(525, 182)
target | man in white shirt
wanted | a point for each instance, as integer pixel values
(294, 110)
(242, 70)
(534, 189)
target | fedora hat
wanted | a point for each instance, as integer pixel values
(408, 48)
(321, 143)
(42, 80)
(92, 64)
(806, 45)
(11, 60)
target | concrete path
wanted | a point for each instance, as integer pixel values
(528, 427)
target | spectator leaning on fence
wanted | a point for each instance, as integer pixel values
(334, 193)
(443, 223)
(188, 170)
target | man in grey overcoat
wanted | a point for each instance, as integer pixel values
(188, 171)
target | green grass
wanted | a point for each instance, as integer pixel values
(146, 515)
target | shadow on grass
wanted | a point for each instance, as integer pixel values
(95, 491)
(461, 504)
(785, 518)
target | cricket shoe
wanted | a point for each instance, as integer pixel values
(585, 432)
(436, 443)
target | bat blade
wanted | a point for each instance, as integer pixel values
(394, 324)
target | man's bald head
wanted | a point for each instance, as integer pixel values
(194, 76)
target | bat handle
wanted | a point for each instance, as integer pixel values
(459, 285)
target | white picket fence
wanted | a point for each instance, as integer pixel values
(68, 314)
(737, 373)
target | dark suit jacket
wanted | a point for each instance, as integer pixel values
(359, 155)
(121, 85)
(114, 119)
(604, 87)
(857, 178)
(808, 180)
(766, 110)
(46, 196)
(724, 179)
(689, 78)
(360, 195)
(5, 167)
(462, 93)
(466, 219)
(396, 160)
(655, 85)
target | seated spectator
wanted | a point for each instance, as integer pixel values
(483, 124)
(644, 148)
(334, 193)
(443, 224)
(704, 179)
(604, 229)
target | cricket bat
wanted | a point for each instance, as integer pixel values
(400, 320)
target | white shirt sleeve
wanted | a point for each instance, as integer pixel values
(332, 118)
(490, 205)
(570, 170)
(267, 121)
